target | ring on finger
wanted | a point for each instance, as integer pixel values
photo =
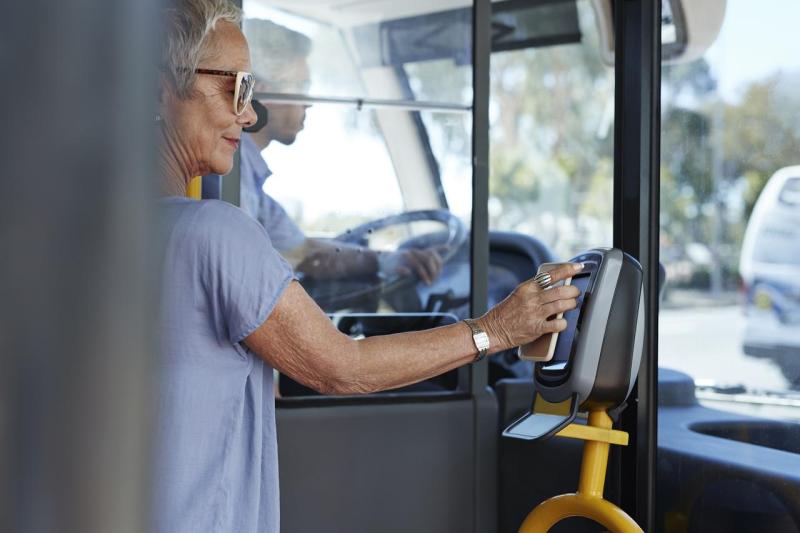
(543, 280)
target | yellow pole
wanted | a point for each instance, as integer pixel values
(595, 458)
(588, 502)
(195, 188)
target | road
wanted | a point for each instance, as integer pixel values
(705, 342)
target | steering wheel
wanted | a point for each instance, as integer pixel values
(333, 295)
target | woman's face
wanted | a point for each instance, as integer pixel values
(203, 130)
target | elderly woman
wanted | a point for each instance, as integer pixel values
(232, 312)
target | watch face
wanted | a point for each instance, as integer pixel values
(480, 338)
(482, 341)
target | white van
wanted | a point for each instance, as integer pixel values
(770, 270)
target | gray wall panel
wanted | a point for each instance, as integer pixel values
(77, 281)
(377, 468)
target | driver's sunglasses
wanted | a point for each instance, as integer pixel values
(243, 92)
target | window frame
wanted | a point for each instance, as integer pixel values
(637, 132)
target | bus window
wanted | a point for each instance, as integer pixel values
(730, 319)
(375, 119)
(552, 141)
(551, 138)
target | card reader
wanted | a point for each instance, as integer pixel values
(596, 358)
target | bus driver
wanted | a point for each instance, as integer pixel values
(231, 311)
(280, 64)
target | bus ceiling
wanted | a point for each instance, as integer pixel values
(414, 31)
(420, 30)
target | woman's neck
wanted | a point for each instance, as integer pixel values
(173, 181)
(175, 174)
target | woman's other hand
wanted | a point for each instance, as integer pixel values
(526, 313)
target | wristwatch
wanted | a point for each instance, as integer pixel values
(480, 338)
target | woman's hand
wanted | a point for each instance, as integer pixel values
(526, 313)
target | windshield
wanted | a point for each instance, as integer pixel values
(790, 193)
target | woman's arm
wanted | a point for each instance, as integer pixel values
(301, 341)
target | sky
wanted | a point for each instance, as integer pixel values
(758, 38)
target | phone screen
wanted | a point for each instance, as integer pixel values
(567, 337)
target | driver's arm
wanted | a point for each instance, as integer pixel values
(300, 341)
(327, 259)
(331, 259)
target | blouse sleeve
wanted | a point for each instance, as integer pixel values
(244, 276)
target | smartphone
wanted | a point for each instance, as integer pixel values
(542, 349)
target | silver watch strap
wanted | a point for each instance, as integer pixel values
(480, 338)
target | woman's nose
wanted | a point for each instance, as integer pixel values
(249, 117)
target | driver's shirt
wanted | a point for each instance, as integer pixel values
(283, 232)
(216, 459)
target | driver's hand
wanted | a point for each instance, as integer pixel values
(425, 263)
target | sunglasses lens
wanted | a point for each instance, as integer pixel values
(245, 93)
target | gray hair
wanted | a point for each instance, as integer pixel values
(188, 24)
(273, 49)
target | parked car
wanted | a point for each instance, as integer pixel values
(770, 270)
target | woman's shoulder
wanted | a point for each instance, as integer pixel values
(210, 219)
(205, 212)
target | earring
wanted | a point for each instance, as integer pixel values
(158, 117)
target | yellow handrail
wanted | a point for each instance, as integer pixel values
(588, 502)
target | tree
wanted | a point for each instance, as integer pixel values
(709, 146)
(763, 132)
